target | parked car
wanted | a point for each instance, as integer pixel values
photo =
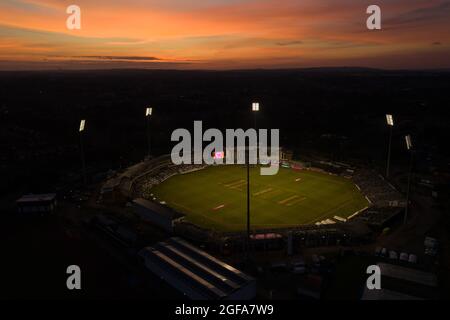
(393, 255)
(298, 266)
(404, 256)
(412, 258)
(377, 251)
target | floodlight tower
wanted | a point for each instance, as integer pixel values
(255, 109)
(148, 114)
(390, 123)
(83, 161)
(409, 147)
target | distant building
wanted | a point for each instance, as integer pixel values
(159, 215)
(111, 190)
(37, 203)
(401, 283)
(195, 273)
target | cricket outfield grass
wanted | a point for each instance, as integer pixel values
(215, 197)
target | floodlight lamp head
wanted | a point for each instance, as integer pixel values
(82, 125)
(390, 120)
(408, 141)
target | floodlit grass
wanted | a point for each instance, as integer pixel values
(215, 197)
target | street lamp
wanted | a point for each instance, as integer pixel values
(409, 147)
(390, 123)
(148, 114)
(83, 161)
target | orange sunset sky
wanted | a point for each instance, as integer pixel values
(223, 34)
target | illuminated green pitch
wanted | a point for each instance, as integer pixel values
(215, 197)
